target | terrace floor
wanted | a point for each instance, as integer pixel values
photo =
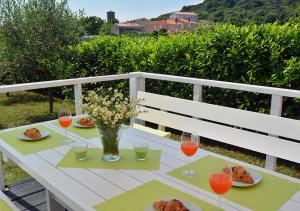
(27, 194)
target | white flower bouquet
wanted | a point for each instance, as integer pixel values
(110, 109)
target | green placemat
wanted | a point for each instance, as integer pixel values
(27, 147)
(127, 161)
(270, 194)
(4, 206)
(86, 133)
(141, 197)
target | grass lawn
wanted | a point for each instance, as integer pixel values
(23, 108)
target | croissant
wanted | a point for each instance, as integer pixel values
(86, 122)
(33, 133)
(172, 205)
(239, 174)
(160, 205)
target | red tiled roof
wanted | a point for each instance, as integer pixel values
(129, 25)
(172, 21)
(139, 19)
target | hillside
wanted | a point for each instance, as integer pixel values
(242, 11)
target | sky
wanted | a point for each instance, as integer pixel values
(130, 9)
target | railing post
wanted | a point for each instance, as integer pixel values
(136, 84)
(197, 94)
(78, 100)
(276, 110)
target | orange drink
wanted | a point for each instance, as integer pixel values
(65, 121)
(189, 148)
(220, 183)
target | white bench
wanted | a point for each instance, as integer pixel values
(151, 130)
(258, 132)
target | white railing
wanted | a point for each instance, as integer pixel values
(137, 82)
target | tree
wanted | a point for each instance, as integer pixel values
(161, 32)
(91, 24)
(229, 3)
(106, 27)
(32, 33)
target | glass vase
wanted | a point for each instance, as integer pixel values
(110, 141)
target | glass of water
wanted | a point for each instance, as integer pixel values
(80, 150)
(141, 151)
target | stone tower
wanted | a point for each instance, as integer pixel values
(111, 16)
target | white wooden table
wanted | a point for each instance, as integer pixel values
(81, 189)
(9, 203)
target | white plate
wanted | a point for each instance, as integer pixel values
(82, 126)
(44, 134)
(189, 205)
(256, 177)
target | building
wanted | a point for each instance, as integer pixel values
(171, 25)
(141, 21)
(120, 28)
(189, 16)
(111, 16)
(177, 22)
(137, 25)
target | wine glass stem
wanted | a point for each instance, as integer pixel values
(66, 135)
(220, 201)
(189, 164)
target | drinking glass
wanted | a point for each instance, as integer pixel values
(189, 146)
(65, 120)
(221, 181)
(80, 150)
(141, 151)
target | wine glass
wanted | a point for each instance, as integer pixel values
(65, 120)
(189, 146)
(221, 181)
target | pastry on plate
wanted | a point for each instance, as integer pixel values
(33, 133)
(240, 174)
(88, 122)
(170, 205)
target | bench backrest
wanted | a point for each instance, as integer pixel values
(246, 129)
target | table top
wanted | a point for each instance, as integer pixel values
(81, 189)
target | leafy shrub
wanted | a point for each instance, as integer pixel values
(265, 55)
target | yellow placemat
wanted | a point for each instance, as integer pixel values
(4, 206)
(270, 194)
(127, 161)
(141, 197)
(26, 147)
(86, 133)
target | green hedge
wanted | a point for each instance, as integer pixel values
(266, 55)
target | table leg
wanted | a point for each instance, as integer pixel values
(2, 185)
(5, 159)
(52, 204)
